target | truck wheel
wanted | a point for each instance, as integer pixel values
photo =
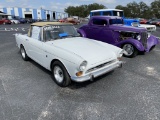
(23, 53)
(60, 74)
(131, 51)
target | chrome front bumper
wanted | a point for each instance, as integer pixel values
(97, 73)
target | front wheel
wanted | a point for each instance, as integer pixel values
(23, 53)
(130, 50)
(60, 74)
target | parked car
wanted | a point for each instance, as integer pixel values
(110, 29)
(143, 21)
(5, 21)
(63, 20)
(57, 47)
(156, 22)
(22, 20)
(74, 21)
(151, 20)
(30, 20)
(14, 21)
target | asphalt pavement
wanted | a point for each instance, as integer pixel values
(27, 91)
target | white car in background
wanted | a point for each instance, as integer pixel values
(57, 47)
(14, 21)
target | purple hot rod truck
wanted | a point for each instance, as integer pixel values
(110, 29)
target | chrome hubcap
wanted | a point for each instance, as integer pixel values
(58, 74)
(129, 49)
(23, 53)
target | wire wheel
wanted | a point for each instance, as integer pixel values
(130, 50)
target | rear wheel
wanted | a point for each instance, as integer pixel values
(23, 53)
(60, 74)
(130, 50)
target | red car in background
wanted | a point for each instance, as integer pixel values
(63, 20)
(143, 21)
(5, 21)
(74, 21)
(70, 20)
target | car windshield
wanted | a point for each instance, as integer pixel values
(59, 31)
(115, 21)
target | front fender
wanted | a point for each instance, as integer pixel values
(152, 41)
(134, 42)
(81, 32)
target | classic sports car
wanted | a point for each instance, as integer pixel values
(57, 47)
(110, 29)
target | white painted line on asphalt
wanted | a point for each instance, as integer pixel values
(23, 29)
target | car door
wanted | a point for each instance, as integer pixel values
(99, 30)
(93, 30)
(108, 35)
(36, 45)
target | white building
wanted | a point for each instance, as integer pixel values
(33, 13)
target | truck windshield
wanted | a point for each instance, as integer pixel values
(59, 31)
(115, 21)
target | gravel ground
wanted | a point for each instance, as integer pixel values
(27, 91)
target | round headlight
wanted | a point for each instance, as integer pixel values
(83, 65)
(138, 37)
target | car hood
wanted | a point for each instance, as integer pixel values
(127, 28)
(85, 48)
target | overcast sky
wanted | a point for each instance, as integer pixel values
(59, 5)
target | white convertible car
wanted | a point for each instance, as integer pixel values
(57, 47)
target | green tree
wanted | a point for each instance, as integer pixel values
(145, 11)
(136, 10)
(83, 10)
(155, 8)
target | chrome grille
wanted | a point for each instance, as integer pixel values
(144, 37)
(100, 66)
